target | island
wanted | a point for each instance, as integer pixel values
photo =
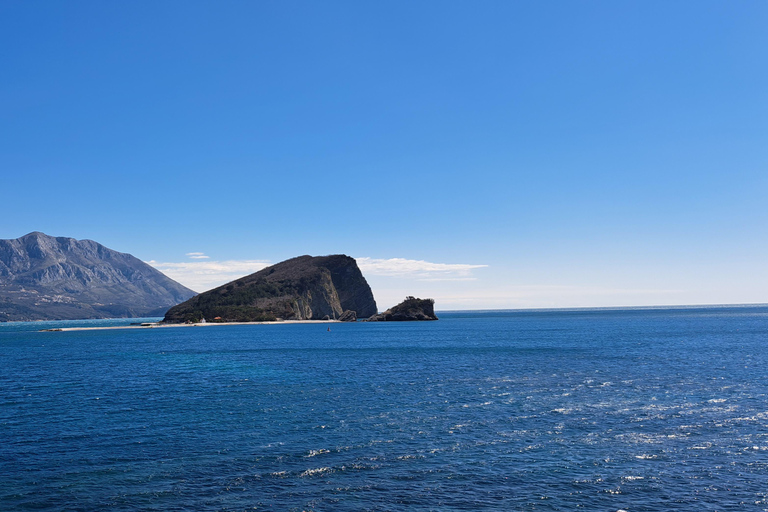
(302, 288)
(408, 310)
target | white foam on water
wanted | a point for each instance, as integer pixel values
(316, 471)
(756, 417)
(638, 438)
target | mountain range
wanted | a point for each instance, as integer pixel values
(57, 278)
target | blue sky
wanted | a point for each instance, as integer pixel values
(489, 155)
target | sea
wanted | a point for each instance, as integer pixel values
(656, 409)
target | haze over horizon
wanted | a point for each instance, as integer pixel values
(500, 155)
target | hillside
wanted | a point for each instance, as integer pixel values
(302, 288)
(58, 278)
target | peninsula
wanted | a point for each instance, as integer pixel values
(302, 288)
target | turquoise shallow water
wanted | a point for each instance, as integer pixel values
(637, 410)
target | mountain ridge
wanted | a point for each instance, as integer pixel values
(44, 277)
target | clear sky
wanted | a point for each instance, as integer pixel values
(496, 154)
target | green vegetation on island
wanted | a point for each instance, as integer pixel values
(408, 310)
(302, 288)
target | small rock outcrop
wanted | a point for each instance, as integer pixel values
(348, 316)
(408, 310)
(58, 278)
(302, 288)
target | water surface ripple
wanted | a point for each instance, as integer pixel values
(637, 410)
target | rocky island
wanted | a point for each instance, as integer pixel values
(408, 310)
(58, 278)
(302, 288)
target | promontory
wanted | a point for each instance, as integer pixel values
(302, 288)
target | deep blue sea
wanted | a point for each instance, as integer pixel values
(600, 410)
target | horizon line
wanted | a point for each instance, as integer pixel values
(604, 308)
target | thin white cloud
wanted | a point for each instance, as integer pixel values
(482, 294)
(204, 275)
(454, 279)
(417, 269)
(197, 255)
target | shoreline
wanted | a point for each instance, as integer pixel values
(157, 325)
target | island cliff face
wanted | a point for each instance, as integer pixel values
(302, 288)
(410, 309)
(58, 278)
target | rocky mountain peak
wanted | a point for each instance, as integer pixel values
(44, 277)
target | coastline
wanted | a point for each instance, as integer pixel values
(157, 325)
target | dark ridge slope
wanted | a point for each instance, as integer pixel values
(302, 288)
(58, 278)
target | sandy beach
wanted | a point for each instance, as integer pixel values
(156, 325)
